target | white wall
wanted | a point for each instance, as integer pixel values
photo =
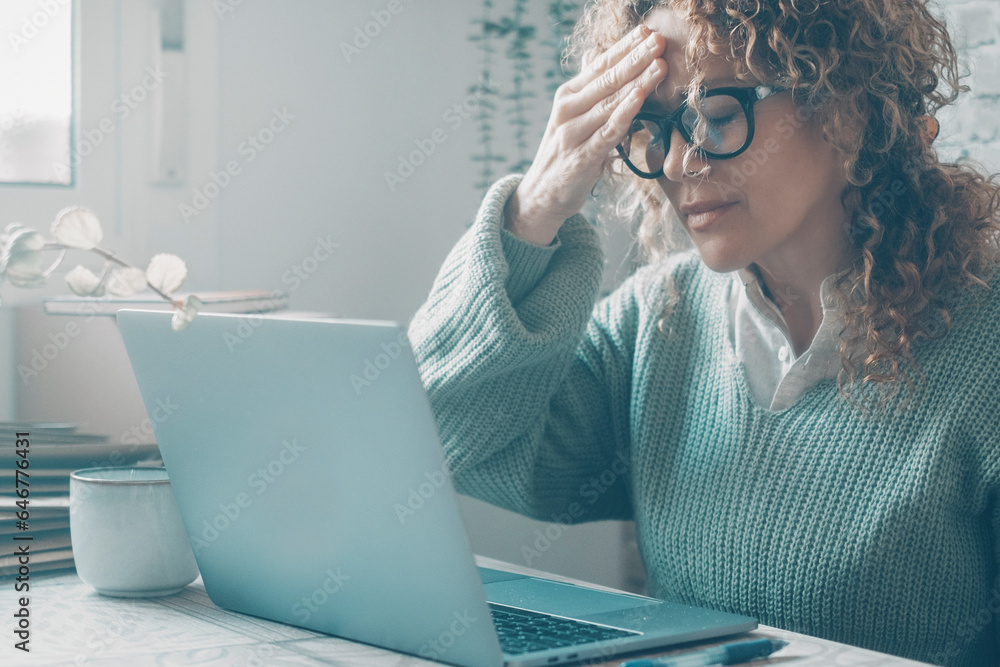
(323, 175)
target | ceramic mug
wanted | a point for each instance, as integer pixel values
(127, 533)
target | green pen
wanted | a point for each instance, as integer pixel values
(726, 654)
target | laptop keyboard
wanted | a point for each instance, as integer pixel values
(522, 631)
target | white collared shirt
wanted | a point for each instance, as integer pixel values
(760, 338)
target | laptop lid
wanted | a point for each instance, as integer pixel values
(308, 470)
(291, 448)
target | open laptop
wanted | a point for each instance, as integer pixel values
(308, 470)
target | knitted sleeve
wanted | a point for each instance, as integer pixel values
(529, 391)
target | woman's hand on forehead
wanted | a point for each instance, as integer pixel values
(590, 114)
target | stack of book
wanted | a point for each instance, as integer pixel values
(36, 460)
(246, 301)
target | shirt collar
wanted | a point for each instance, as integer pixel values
(754, 286)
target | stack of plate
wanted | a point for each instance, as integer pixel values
(34, 488)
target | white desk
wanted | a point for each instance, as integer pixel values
(73, 625)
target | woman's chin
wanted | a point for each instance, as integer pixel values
(722, 259)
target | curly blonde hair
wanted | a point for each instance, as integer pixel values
(870, 70)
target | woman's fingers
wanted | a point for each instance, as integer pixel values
(590, 114)
(596, 118)
(607, 59)
(611, 132)
(612, 80)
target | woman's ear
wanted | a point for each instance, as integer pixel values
(929, 128)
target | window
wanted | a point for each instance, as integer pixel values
(36, 91)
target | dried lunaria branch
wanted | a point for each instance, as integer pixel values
(78, 228)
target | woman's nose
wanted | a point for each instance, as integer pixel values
(673, 163)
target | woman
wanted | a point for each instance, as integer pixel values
(802, 416)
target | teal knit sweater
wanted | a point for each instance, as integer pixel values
(879, 531)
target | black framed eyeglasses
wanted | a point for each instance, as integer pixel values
(726, 132)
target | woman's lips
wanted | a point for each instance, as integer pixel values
(703, 215)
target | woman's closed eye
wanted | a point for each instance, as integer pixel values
(721, 121)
